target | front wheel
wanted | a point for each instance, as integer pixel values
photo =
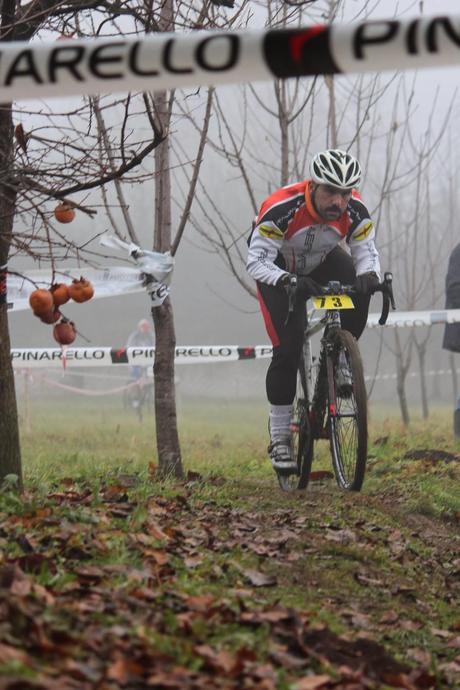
(347, 411)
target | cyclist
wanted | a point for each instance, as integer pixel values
(297, 231)
(143, 336)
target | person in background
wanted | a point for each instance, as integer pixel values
(297, 232)
(451, 340)
(143, 336)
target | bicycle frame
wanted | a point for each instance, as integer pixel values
(314, 394)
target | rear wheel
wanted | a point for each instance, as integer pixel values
(301, 438)
(347, 412)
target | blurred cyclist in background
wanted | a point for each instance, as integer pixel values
(143, 336)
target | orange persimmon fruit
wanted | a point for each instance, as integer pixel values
(60, 293)
(41, 301)
(64, 213)
(64, 332)
(81, 290)
(50, 316)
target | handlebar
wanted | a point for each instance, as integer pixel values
(334, 287)
(385, 287)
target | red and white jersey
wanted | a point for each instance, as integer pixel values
(288, 235)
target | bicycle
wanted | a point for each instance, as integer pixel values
(138, 394)
(331, 398)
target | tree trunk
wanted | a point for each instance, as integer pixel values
(169, 456)
(10, 453)
(401, 390)
(421, 351)
(168, 447)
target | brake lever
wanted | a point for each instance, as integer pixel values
(388, 280)
(386, 289)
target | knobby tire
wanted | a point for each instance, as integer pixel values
(348, 424)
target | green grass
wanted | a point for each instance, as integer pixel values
(346, 559)
(81, 440)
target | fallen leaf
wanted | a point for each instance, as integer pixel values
(421, 656)
(122, 669)
(410, 625)
(366, 580)
(258, 579)
(319, 475)
(440, 633)
(9, 653)
(389, 617)
(160, 557)
(312, 682)
(342, 536)
(155, 531)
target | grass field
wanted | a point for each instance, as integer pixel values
(223, 576)
(229, 440)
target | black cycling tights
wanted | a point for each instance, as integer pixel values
(287, 338)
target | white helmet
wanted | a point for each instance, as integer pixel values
(336, 168)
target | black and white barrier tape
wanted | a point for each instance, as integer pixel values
(78, 67)
(199, 354)
(133, 356)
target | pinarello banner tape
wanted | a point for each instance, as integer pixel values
(132, 356)
(172, 60)
(197, 354)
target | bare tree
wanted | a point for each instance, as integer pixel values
(159, 110)
(69, 156)
(416, 253)
(18, 22)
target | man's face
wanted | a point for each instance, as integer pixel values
(329, 202)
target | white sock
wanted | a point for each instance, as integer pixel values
(280, 419)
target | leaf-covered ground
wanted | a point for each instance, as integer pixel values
(110, 579)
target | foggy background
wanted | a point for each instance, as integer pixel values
(210, 307)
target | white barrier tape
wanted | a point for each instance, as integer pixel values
(165, 61)
(158, 266)
(107, 282)
(144, 356)
(133, 356)
(411, 319)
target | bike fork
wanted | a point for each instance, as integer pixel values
(331, 395)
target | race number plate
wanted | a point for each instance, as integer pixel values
(333, 302)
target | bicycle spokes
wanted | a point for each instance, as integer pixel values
(347, 412)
